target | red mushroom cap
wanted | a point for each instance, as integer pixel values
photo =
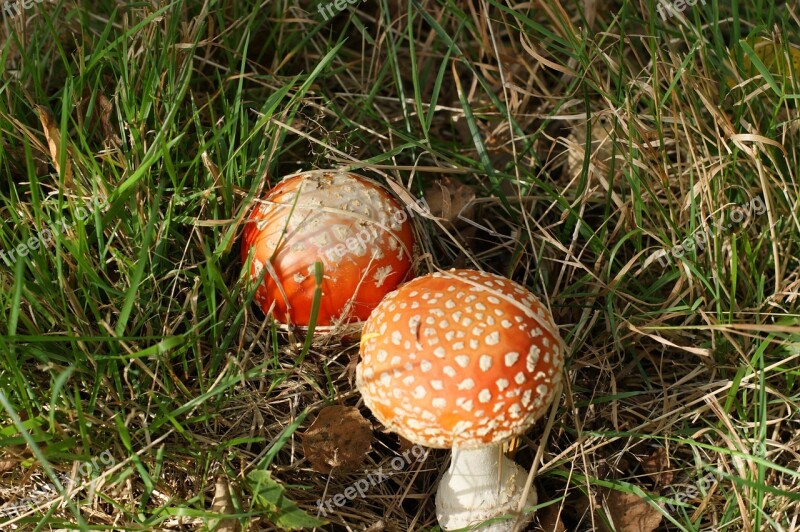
(459, 358)
(359, 232)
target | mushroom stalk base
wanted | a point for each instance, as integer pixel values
(481, 484)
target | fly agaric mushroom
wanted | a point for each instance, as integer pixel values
(351, 224)
(463, 360)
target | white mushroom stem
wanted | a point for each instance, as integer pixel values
(481, 484)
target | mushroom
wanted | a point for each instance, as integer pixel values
(464, 360)
(352, 225)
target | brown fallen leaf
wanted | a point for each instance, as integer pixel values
(7, 465)
(656, 465)
(630, 513)
(101, 114)
(338, 440)
(53, 137)
(449, 199)
(550, 520)
(405, 444)
(109, 132)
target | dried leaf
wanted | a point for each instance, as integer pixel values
(779, 63)
(7, 465)
(223, 504)
(657, 466)
(339, 439)
(405, 444)
(105, 108)
(53, 137)
(601, 144)
(631, 513)
(449, 199)
(550, 520)
(101, 113)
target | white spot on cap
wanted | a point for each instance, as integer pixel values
(526, 398)
(440, 352)
(485, 362)
(462, 360)
(439, 402)
(381, 274)
(425, 366)
(493, 338)
(463, 426)
(419, 392)
(511, 358)
(449, 371)
(466, 404)
(382, 355)
(519, 378)
(532, 358)
(502, 384)
(485, 396)
(437, 385)
(466, 384)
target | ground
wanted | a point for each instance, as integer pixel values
(634, 164)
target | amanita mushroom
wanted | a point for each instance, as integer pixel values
(359, 232)
(464, 360)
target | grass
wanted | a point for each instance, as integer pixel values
(616, 136)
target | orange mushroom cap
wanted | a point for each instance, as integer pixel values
(459, 358)
(359, 232)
